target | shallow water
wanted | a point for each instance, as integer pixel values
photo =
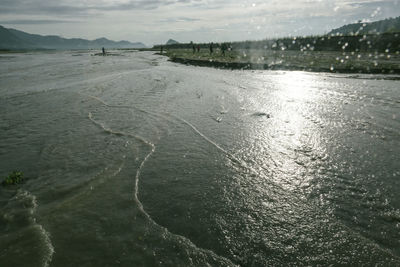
(136, 161)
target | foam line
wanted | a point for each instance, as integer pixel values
(229, 155)
(136, 191)
(50, 249)
(45, 236)
(120, 106)
(152, 149)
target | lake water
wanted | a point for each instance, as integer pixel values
(131, 160)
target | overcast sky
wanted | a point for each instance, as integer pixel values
(156, 21)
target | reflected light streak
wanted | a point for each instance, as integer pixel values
(296, 138)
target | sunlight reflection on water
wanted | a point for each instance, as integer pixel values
(294, 140)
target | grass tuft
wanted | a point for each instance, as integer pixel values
(16, 177)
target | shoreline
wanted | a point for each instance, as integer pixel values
(292, 61)
(261, 66)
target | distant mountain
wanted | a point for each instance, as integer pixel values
(9, 40)
(15, 39)
(381, 26)
(171, 41)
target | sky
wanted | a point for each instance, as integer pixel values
(155, 21)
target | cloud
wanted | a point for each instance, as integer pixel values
(74, 7)
(180, 19)
(36, 21)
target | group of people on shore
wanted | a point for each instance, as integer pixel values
(224, 47)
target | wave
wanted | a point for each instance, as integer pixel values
(19, 215)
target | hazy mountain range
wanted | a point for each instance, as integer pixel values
(381, 26)
(14, 39)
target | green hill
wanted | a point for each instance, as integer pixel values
(381, 26)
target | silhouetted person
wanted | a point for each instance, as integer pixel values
(194, 49)
(104, 51)
(211, 48)
(198, 48)
(161, 49)
(223, 48)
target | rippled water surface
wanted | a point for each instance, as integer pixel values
(131, 160)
